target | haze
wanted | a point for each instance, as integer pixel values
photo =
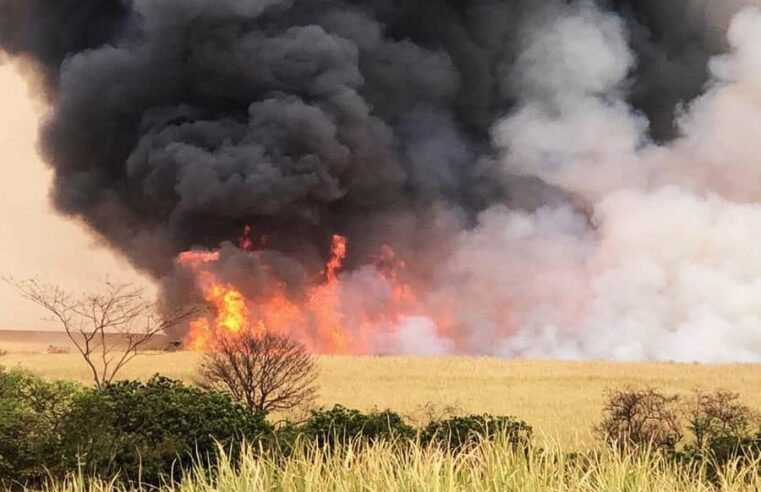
(34, 239)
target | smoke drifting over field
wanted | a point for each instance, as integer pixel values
(517, 178)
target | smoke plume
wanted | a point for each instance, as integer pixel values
(574, 179)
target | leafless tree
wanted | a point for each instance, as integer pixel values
(266, 371)
(640, 418)
(108, 328)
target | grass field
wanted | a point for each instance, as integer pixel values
(490, 467)
(561, 400)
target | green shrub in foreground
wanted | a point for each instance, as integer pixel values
(340, 425)
(723, 431)
(458, 432)
(30, 412)
(138, 431)
(720, 430)
(148, 430)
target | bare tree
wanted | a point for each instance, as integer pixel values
(108, 328)
(640, 417)
(266, 371)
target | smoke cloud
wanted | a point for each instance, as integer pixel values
(573, 179)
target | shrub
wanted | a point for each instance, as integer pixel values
(146, 430)
(721, 428)
(31, 410)
(457, 433)
(340, 425)
(716, 417)
(635, 418)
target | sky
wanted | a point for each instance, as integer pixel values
(35, 241)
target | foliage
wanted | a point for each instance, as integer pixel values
(148, 431)
(340, 425)
(457, 433)
(31, 410)
(638, 418)
(266, 372)
(565, 399)
(143, 430)
(139, 431)
(717, 417)
(721, 428)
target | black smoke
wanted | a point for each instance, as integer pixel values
(174, 123)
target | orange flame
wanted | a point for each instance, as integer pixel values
(337, 257)
(324, 301)
(245, 242)
(320, 320)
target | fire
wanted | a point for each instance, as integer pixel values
(232, 308)
(338, 255)
(245, 242)
(232, 315)
(321, 319)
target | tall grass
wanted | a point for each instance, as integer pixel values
(491, 466)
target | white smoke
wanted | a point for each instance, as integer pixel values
(665, 265)
(719, 151)
(417, 336)
(573, 128)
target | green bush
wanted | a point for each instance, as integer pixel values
(722, 430)
(144, 431)
(716, 419)
(31, 410)
(455, 433)
(140, 431)
(341, 425)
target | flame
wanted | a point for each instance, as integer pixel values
(320, 319)
(337, 257)
(245, 242)
(232, 308)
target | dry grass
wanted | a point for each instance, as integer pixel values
(490, 467)
(560, 399)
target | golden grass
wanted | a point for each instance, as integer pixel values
(561, 400)
(492, 466)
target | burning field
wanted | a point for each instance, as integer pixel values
(540, 178)
(327, 318)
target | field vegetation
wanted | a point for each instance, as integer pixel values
(373, 423)
(494, 466)
(561, 400)
(155, 436)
